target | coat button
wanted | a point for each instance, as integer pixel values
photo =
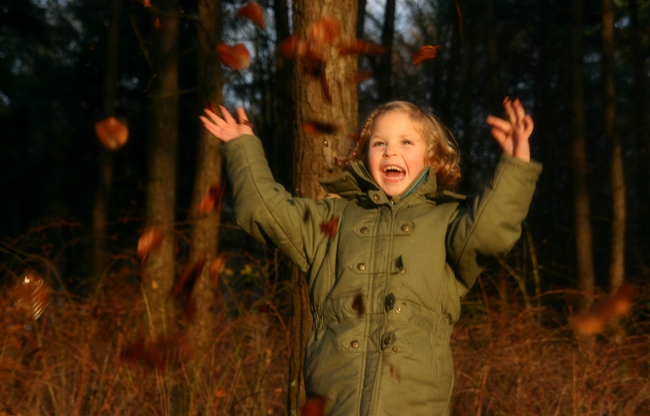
(398, 309)
(389, 302)
(343, 179)
(364, 230)
(375, 197)
(361, 266)
(405, 228)
(354, 344)
(388, 340)
(394, 349)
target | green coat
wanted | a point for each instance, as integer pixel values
(407, 261)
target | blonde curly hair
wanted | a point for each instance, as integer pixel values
(442, 151)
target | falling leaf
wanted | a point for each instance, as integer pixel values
(394, 373)
(215, 269)
(264, 309)
(314, 406)
(594, 321)
(360, 77)
(236, 57)
(253, 12)
(112, 133)
(424, 53)
(360, 47)
(157, 24)
(357, 305)
(324, 31)
(221, 393)
(293, 46)
(316, 127)
(31, 295)
(150, 241)
(212, 199)
(146, 3)
(329, 228)
(184, 287)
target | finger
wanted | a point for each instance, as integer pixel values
(243, 119)
(512, 116)
(215, 118)
(226, 115)
(529, 125)
(519, 110)
(503, 140)
(499, 123)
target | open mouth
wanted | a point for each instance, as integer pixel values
(393, 173)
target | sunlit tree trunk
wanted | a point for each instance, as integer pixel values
(314, 155)
(105, 168)
(617, 175)
(161, 169)
(205, 226)
(582, 208)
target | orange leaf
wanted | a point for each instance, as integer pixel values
(164, 351)
(150, 240)
(424, 53)
(360, 47)
(212, 199)
(146, 3)
(236, 57)
(184, 287)
(293, 46)
(215, 269)
(314, 406)
(324, 31)
(594, 320)
(316, 127)
(329, 228)
(112, 133)
(31, 295)
(253, 12)
(360, 77)
(157, 24)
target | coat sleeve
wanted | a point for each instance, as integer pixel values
(265, 210)
(489, 225)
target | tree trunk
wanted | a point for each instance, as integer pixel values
(105, 169)
(617, 175)
(315, 155)
(385, 68)
(205, 226)
(161, 169)
(495, 95)
(582, 205)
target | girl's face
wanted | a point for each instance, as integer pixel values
(396, 152)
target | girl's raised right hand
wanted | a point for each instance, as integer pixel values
(227, 128)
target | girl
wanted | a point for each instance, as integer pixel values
(385, 289)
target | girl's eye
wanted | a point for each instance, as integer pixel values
(375, 144)
(407, 142)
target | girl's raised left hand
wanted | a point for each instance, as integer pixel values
(227, 128)
(513, 134)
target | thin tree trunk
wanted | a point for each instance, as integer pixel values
(582, 205)
(105, 168)
(385, 68)
(205, 226)
(617, 175)
(161, 180)
(314, 155)
(495, 95)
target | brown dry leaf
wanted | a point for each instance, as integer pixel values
(112, 133)
(360, 47)
(221, 393)
(425, 52)
(314, 406)
(236, 57)
(594, 321)
(316, 127)
(165, 351)
(157, 24)
(212, 199)
(324, 31)
(293, 46)
(150, 240)
(184, 287)
(329, 228)
(215, 269)
(253, 12)
(31, 295)
(360, 77)
(146, 3)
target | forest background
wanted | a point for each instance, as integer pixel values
(116, 334)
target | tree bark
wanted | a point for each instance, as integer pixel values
(315, 154)
(161, 169)
(385, 68)
(617, 174)
(495, 95)
(205, 226)
(105, 169)
(582, 205)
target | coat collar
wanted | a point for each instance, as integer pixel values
(356, 182)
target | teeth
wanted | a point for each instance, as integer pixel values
(393, 169)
